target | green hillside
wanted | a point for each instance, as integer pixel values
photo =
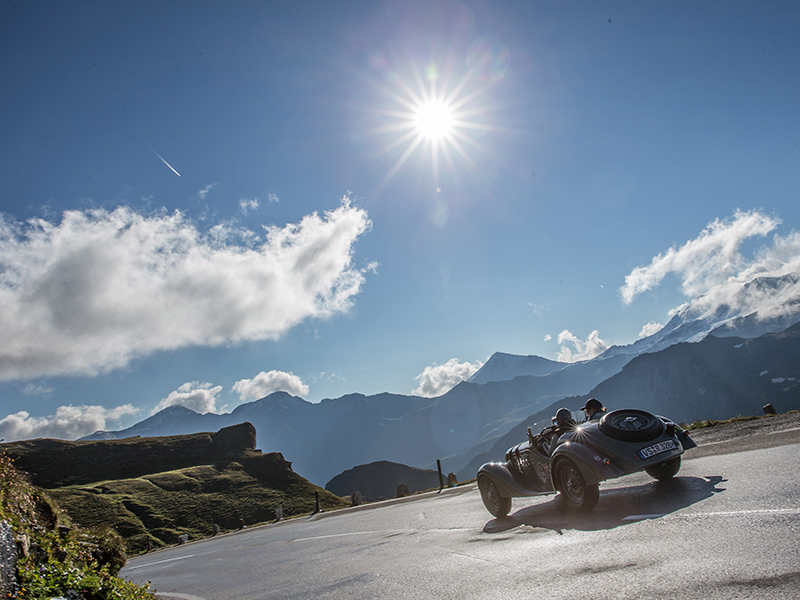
(228, 483)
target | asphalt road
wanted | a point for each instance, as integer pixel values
(727, 527)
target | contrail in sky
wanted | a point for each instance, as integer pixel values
(165, 162)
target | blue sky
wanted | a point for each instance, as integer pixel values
(204, 202)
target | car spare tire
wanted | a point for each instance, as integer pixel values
(631, 425)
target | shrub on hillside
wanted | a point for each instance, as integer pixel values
(56, 558)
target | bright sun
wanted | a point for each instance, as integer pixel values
(441, 113)
(434, 119)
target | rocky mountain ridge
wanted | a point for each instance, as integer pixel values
(361, 427)
(325, 439)
(717, 378)
(502, 367)
(714, 378)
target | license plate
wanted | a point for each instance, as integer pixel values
(658, 448)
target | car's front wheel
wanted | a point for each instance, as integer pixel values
(665, 470)
(497, 505)
(573, 487)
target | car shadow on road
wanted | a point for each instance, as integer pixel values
(617, 506)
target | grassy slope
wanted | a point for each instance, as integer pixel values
(153, 490)
(154, 510)
(58, 463)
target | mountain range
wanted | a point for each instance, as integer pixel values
(709, 361)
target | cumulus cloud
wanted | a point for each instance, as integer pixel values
(714, 272)
(196, 396)
(650, 328)
(264, 384)
(97, 289)
(573, 349)
(69, 422)
(439, 379)
(273, 197)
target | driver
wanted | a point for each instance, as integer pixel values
(564, 423)
(594, 409)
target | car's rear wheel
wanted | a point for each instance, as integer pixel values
(665, 470)
(631, 425)
(573, 487)
(497, 505)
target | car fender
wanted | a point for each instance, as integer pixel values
(593, 466)
(682, 435)
(506, 483)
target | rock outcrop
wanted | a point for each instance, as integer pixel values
(58, 463)
(381, 480)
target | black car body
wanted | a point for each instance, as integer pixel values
(621, 442)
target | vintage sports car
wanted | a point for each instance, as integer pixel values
(621, 442)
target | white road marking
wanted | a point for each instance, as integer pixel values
(336, 535)
(783, 430)
(158, 562)
(181, 596)
(732, 513)
(382, 533)
(736, 513)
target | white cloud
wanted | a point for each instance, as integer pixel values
(548, 337)
(248, 204)
(329, 377)
(705, 262)
(439, 379)
(264, 384)
(37, 389)
(204, 192)
(713, 271)
(538, 309)
(69, 422)
(273, 197)
(91, 293)
(574, 349)
(650, 328)
(196, 396)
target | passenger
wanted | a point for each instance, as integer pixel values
(564, 423)
(594, 409)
